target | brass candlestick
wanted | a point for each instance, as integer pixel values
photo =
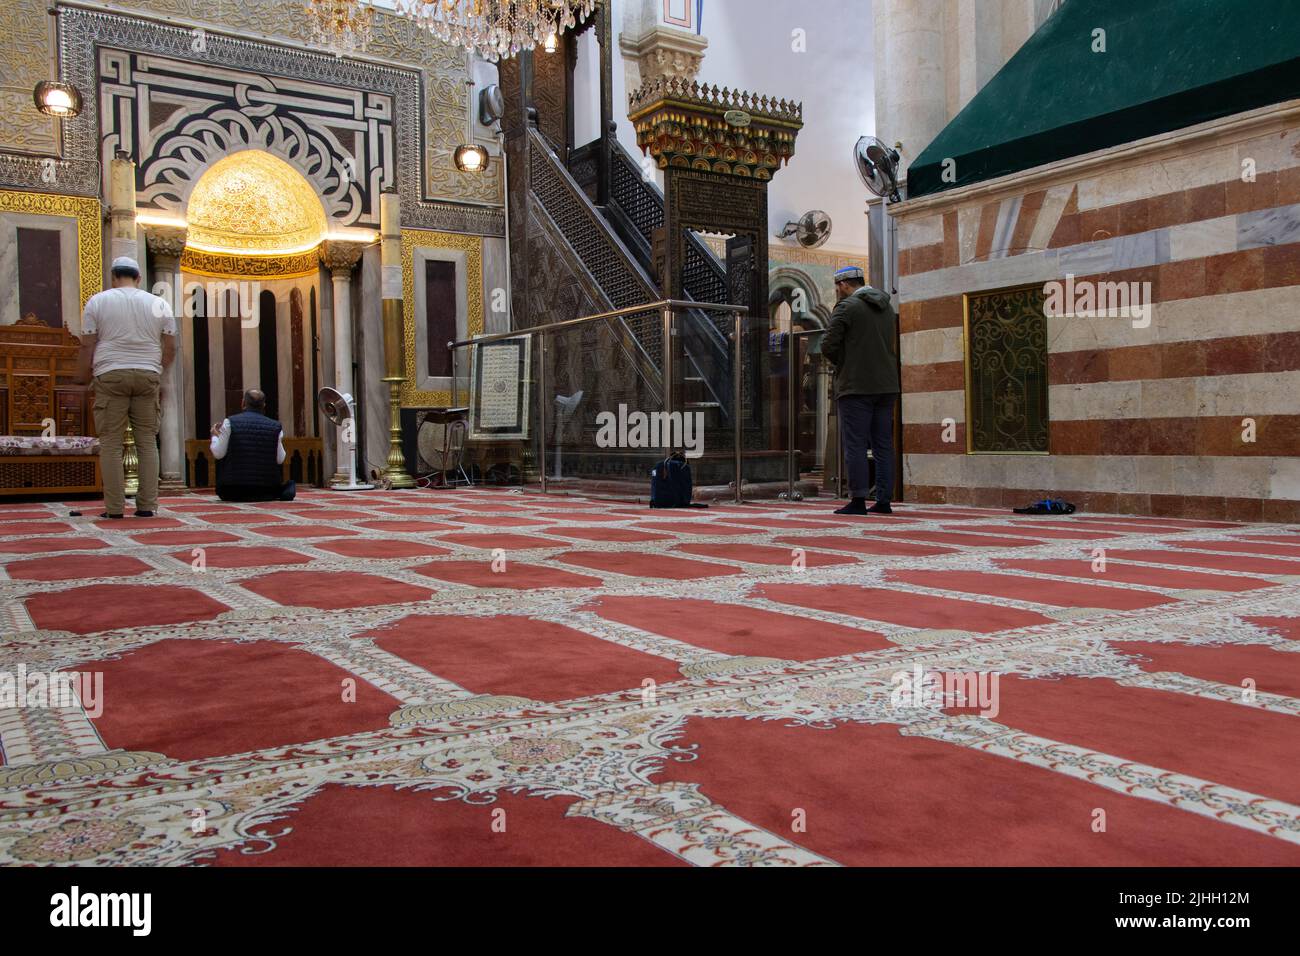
(130, 463)
(390, 231)
(395, 473)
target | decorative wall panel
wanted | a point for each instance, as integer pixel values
(428, 101)
(1006, 372)
(219, 265)
(177, 118)
(551, 95)
(25, 60)
(413, 239)
(88, 214)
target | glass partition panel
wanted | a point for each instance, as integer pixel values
(704, 398)
(764, 414)
(590, 407)
(813, 454)
(604, 392)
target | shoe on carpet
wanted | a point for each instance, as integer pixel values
(105, 514)
(880, 508)
(1048, 506)
(858, 506)
(144, 514)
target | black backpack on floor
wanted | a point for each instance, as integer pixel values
(671, 485)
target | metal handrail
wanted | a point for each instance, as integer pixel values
(629, 341)
(572, 201)
(675, 305)
(667, 308)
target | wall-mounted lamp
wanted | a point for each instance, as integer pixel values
(471, 157)
(62, 100)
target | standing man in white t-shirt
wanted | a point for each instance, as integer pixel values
(128, 337)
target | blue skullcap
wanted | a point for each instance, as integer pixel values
(849, 272)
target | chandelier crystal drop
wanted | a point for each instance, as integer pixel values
(496, 29)
(342, 26)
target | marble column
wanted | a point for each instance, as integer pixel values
(121, 186)
(122, 242)
(341, 258)
(911, 79)
(165, 247)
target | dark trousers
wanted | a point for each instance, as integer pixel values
(285, 492)
(867, 422)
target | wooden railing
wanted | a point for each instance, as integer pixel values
(303, 462)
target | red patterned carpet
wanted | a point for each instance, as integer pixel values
(500, 678)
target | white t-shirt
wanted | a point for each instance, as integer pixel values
(130, 323)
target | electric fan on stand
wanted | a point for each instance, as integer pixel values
(341, 410)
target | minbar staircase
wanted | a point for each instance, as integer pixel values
(612, 244)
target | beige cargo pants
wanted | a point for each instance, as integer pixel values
(120, 396)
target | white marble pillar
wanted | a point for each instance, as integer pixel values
(911, 81)
(121, 182)
(341, 258)
(165, 248)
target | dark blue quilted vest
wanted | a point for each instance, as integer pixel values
(250, 457)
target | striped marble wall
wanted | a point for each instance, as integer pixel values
(1151, 419)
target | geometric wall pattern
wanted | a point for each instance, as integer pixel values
(424, 113)
(176, 118)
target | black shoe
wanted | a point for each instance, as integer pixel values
(144, 514)
(105, 514)
(855, 507)
(880, 508)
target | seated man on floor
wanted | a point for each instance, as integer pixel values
(249, 449)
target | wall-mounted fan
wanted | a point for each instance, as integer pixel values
(341, 410)
(491, 105)
(878, 166)
(811, 231)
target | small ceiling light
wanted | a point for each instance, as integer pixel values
(57, 99)
(551, 43)
(471, 158)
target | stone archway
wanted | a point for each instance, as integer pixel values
(794, 305)
(796, 289)
(249, 246)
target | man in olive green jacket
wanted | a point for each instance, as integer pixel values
(860, 343)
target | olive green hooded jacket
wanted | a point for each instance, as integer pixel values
(861, 344)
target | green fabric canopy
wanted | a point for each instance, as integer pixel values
(1168, 64)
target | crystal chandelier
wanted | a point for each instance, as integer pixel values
(496, 29)
(344, 26)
